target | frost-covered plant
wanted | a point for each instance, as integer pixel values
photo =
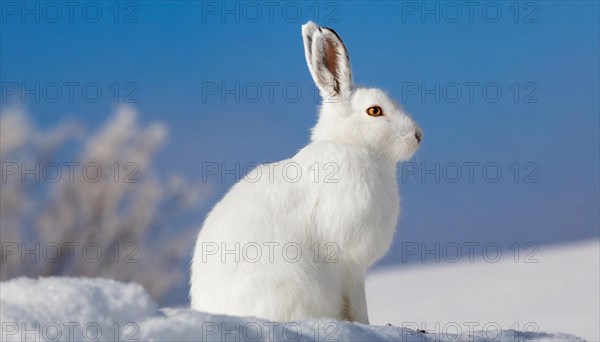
(59, 216)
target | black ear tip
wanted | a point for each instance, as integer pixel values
(335, 33)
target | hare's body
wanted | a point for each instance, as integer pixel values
(294, 239)
(283, 217)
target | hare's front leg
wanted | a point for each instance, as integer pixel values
(354, 301)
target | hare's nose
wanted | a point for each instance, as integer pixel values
(419, 134)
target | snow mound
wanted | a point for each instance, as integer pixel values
(70, 309)
(556, 290)
(84, 309)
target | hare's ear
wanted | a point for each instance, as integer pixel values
(327, 61)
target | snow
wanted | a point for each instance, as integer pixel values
(561, 292)
(558, 293)
(70, 307)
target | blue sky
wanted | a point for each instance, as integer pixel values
(542, 56)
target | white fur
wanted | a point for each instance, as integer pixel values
(335, 202)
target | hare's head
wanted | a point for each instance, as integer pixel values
(365, 117)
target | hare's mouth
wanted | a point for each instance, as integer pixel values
(419, 135)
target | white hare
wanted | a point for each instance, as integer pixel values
(294, 239)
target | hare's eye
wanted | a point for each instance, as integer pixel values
(375, 111)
